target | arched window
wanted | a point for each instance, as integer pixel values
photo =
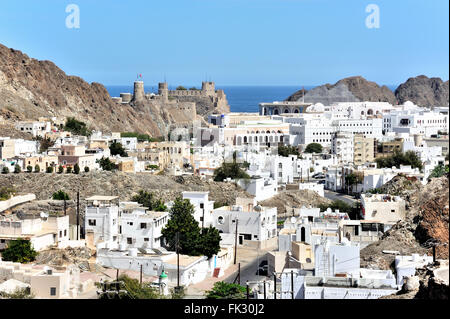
(276, 112)
(296, 111)
(245, 139)
(302, 234)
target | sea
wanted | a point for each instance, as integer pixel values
(240, 98)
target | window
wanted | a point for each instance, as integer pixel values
(143, 225)
(392, 210)
(146, 239)
(65, 232)
(52, 291)
(60, 233)
(129, 240)
(202, 205)
(92, 222)
(220, 220)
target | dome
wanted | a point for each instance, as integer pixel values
(408, 105)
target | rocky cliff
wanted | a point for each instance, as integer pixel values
(426, 223)
(352, 89)
(30, 88)
(423, 91)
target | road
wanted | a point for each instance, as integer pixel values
(249, 267)
(338, 196)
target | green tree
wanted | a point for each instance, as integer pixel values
(45, 144)
(60, 195)
(181, 88)
(230, 170)
(60, 169)
(86, 169)
(17, 169)
(209, 241)
(76, 127)
(224, 290)
(285, 151)
(106, 164)
(69, 169)
(399, 158)
(50, 169)
(37, 168)
(29, 168)
(6, 192)
(5, 170)
(117, 149)
(134, 290)
(314, 148)
(148, 200)
(19, 250)
(182, 221)
(76, 169)
(439, 171)
(18, 294)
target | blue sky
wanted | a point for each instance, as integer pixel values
(233, 42)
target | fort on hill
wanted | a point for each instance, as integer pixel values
(186, 103)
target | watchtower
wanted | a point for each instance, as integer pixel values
(139, 94)
(208, 88)
(163, 90)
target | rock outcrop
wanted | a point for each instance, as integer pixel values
(30, 88)
(423, 91)
(352, 89)
(426, 223)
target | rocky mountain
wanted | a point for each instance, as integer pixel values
(426, 222)
(30, 88)
(423, 91)
(352, 89)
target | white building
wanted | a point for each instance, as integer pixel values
(255, 223)
(383, 208)
(203, 207)
(102, 218)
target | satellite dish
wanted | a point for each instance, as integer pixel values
(43, 215)
(293, 220)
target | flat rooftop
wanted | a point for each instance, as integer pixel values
(102, 198)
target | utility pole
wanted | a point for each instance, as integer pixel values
(292, 283)
(78, 215)
(65, 207)
(274, 285)
(203, 217)
(265, 289)
(140, 277)
(235, 241)
(178, 259)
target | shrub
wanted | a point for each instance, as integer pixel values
(60, 195)
(69, 170)
(60, 169)
(117, 149)
(76, 127)
(181, 88)
(20, 251)
(37, 169)
(50, 169)
(76, 169)
(314, 148)
(86, 169)
(29, 168)
(6, 192)
(224, 290)
(17, 169)
(5, 170)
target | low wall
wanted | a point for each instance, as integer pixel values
(16, 200)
